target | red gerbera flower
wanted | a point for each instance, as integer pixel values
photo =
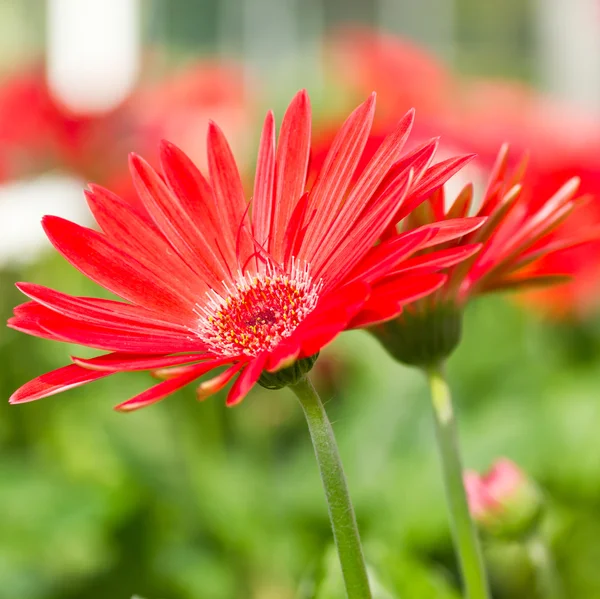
(209, 282)
(519, 233)
(478, 115)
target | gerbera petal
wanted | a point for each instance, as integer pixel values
(246, 380)
(133, 233)
(175, 371)
(293, 150)
(109, 338)
(210, 387)
(296, 230)
(388, 298)
(362, 237)
(373, 175)
(115, 270)
(100, 312)
(283, 355)
(406, 288)
(322, 334)
(452, 229)
(332, 315)
(433, 179)
(27, 320)
(119, 362)
(383, 257)
(462, 204)
(174, 222)
(56, 381)
(160, 391)
(438, 260)
(229, 196)
(329, 190)
(264, 183)
(196, 200)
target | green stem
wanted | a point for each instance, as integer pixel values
(464, 534)
(548, 582)
(341, 512)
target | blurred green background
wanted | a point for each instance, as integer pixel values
(192, 500)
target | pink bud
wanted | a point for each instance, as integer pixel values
(503, 501)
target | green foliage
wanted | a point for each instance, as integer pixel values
(192, 500)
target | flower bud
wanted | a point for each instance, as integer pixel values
(422, 337)
(503, 502)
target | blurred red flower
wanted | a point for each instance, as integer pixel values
(210, 283)
(38, 133)
(562, 142)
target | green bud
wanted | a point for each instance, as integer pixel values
(422, 337)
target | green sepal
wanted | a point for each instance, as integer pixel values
(422, 338)
(289, 375)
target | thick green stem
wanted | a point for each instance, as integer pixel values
(341, 512)
(464, 534)
(548, 583)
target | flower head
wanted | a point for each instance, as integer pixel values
(520, 231)
(503, 501)
(210, 279)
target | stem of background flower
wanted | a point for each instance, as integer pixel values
(547, 578)
(341, 512)
(465, 537)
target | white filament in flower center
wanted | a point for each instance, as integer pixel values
(259, 311)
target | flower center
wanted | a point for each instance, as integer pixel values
(258, 312)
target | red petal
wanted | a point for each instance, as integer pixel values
(229, 196)
(119, 362)
(435, 261)
(293, 151)
(169, 373)
(331, 316)
(385, 256)
(264, 183)
(132, 232)
(210, 387)
(370, 179)
(196, 200)
(389, 297)
(27, 320)
(329, 191)
(362, 237)
(246, 380)
(115, 270)
(39, 321)
(295, 232)
(99, 312)
(452, 229)
(433, 179)
(283, 355)
(54, 382)
(320, 336)
(160, 391)
(175, 224)
(462, 204)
